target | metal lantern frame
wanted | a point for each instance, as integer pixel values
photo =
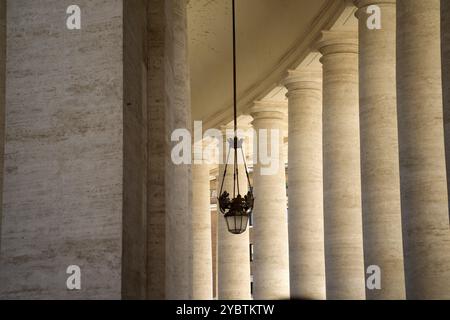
(237, 210)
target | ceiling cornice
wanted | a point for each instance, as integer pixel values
(325, 20)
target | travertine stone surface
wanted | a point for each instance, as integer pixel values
(156, 197)
(233, 250)
(135, 151)
(270, 229)
(67, 169)
(306, 234)
(215, 257)
(426, 232)
(178, 186)
(445, 39)
(169, 185)
(201, 234)
(379, 150)
(2, 101)
(341, 167)
(64, 156)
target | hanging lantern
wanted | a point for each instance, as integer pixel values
(238, 209)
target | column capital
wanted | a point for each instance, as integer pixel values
(269, 109)
(332, 42)
(304, 79)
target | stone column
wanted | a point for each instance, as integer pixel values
(169, 185)
(64, 156)
(382, 228)
(79, 174)
(2, 99)
(341, 167)
(201, 234)
(306, 237)
(426, 232)
(215, 238)
(270, 229)
(445, 37)
(233, 250)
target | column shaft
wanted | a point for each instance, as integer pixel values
(379, 150)
(271, 253)
(169, 185)
(215, 257)
(201, 234)
(341, 167)
(445, 37)
(306, 234)
(426, 230)
(2, 99)
(233, 250)
(64, 156)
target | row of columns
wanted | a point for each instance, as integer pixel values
(367, 170)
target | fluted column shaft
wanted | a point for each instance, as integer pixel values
(341, 167)
(270, 229)
(425, 217)
(201, 234)
(380, 177)
(233, 250)
(306, 234)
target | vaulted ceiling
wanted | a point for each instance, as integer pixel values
(272, 36)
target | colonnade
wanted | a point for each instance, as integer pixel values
(367, 168)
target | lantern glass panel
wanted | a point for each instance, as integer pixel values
(236, 222)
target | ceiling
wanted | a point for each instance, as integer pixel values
(272, 36)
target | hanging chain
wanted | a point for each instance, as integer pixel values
(236, 168)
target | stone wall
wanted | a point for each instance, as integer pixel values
(64, 155)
